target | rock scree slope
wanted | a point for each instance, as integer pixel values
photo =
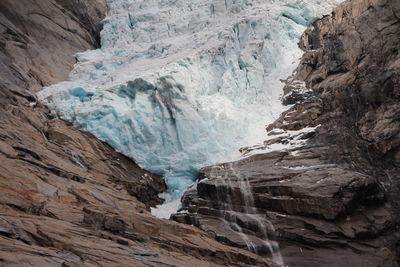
(68, 199)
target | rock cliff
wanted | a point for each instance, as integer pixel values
(327, 181)
(67, 199)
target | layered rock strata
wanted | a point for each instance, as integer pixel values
(66, 198)
(326, 182)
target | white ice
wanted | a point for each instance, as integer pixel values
(180, 84)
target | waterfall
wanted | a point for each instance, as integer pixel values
(258, 244)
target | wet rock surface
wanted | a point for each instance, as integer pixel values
(330, 196)
(66, 198)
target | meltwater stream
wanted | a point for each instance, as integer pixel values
(180, 84)
(261, 244)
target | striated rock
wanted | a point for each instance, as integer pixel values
(330, 196)
(306, 203)
(68, 199)
(39, 37)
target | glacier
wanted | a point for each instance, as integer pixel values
(180, 84)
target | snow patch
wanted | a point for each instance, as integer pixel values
(289, 142)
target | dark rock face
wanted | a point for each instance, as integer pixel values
(67, 199)
(37, 37)
(334, 200)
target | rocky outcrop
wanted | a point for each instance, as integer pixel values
(66, 198)
(329, 193)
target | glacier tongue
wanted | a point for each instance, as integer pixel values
(180, 84)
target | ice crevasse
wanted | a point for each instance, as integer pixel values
(180, 84)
